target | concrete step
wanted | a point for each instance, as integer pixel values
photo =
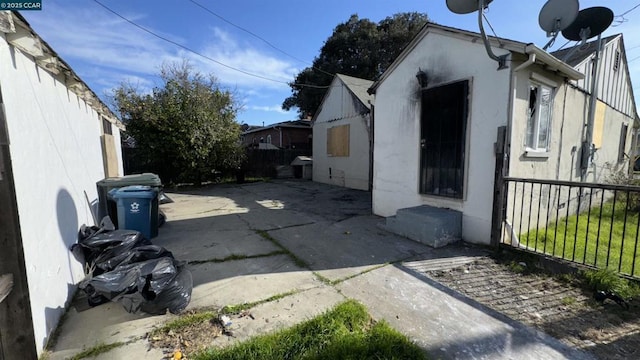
(429, 225)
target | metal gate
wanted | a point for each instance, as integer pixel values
(596, 225)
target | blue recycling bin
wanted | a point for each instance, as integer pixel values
(135, 208)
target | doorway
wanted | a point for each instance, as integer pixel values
(442, 142)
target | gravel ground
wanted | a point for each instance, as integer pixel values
(555, 305)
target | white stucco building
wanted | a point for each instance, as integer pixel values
(434, 136)
(342, 134)
(57, 140)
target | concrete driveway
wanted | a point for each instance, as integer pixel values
(310, 246)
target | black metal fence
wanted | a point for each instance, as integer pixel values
(596, 225)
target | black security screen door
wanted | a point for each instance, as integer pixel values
(443, 126)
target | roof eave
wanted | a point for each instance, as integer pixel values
(514, 46)
(553, 63)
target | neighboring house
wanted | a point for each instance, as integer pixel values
(439, 106)
(284, 135)
(615, 101)
(342, 134)
(56, 140)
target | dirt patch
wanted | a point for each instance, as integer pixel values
(192, 337)
(557, 306)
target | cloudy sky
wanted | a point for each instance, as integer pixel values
(254, 47)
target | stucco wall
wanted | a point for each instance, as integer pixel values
(56, 157)
(570, 114)
(340, 107)
(562, 160)
(397, 129)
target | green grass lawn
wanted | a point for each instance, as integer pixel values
(577, 238)
(345, 332)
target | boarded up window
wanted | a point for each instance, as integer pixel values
(598, 124)
(338, 141)
(109, 156)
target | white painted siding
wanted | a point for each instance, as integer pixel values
(56, 157)
(397, 129)
(341, 107)
(614, 86)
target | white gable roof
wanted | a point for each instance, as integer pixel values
(543, 57)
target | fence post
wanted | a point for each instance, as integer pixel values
(497, 215)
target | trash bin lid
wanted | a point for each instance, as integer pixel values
(134, 191)
(149, 179)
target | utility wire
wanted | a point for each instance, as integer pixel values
(491, 27)
(563, 45)
(630, 10)
(620, 19)
(202, 55)
(257, 36)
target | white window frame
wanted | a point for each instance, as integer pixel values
(532, 136)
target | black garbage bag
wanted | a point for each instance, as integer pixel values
(139, 254)
(153, 286)
(104, 251)
(174, 297)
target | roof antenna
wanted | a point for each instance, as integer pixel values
(469, 6)
(555, 16)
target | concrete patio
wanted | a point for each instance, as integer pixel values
(318, 245)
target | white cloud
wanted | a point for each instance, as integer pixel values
(96, 37)
(274, 108)
(225, 49)
(105, 50)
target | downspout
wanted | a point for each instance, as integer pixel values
(280, 130)
(526, 64)
(371, 147)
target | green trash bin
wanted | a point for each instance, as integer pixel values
(135, 209)
(107, 205)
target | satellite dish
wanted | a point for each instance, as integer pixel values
(557, 15)
(469, 6)
(465, 6)
(590, 22)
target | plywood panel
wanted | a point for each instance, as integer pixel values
(338, 140)
(598, 124)
(110, 156)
